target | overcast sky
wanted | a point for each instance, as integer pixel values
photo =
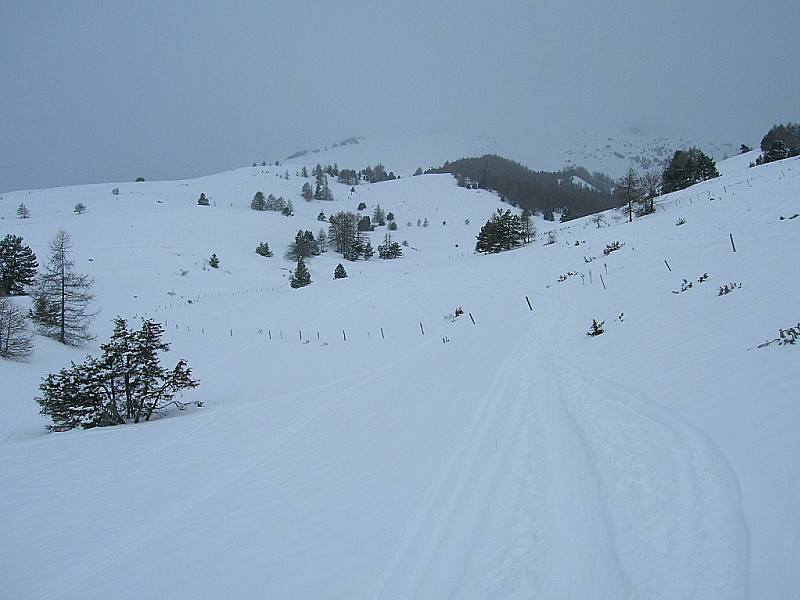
(108, 91)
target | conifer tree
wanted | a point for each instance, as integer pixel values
(17, 265)
(22, 211)
(259, 202)
(62, 297)
(213, 261)
(300, 277)
(339, 272)
(15, 340)
(126, 385)
(203, 201)
(263, 249)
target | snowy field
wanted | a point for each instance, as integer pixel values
(341, 452)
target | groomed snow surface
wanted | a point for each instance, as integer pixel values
(515, 457)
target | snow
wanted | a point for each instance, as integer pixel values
(515, 457)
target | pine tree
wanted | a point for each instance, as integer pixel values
(503, 231)
(62, 297)
(213, 261)
(306, 192)
(203, 201)
(259, 202)
(263, 249)
(339, 272)
(17, 266)
(366, 250)
(15, 340)
(23, 212)
(126, 385)
(389, 249)
(300, 277)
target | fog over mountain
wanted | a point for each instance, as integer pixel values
(99, 93)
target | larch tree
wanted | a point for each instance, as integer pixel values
(62, 297)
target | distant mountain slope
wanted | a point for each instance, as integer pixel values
(611, 153)
(534, 190)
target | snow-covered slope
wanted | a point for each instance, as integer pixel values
(543, 150)
(355, 443)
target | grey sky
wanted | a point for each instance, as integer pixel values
(101, 91)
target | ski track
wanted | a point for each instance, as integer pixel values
(673, 501)
(639, 494)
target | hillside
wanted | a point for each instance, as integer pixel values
(356, 440)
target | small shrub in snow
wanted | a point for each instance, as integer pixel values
(687, 285)
(680, 222)
(567, 276)
(203, 201)
(786, 337)
(213, 261)
(80, 208)
(552, 238)
(596, 329)
(728, 288)
(263, 249)
(612, 247)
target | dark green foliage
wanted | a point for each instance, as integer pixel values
(596, 329)
(389, 249)
(778, 151)
(339, 272)
(789, 134)
(322, 191)
(364, 224)
(321, 216)
(392, 226)
(80, 208)
(263, 249)
(288, 209)
(203, 201)
(259, 202)
(744, 149)
(503, 231)
(612, 247)
(17, 266)
(304, 246)
(23, 212)
(342, 231)
(300, 277)
(362, 205)
(366, 249)
(348, 177)
(15, 340)
(62, 297)
(213, 261)
(379, 216)
(127, 384)
(529, 189)
(686, 168)
(306, 192)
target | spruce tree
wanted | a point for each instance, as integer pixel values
(259, 202)
(213, 261)
(339, 272)
(17, 266)
(300, 277)
(203, 201)
(62, 297)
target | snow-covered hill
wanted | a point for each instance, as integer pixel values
(612, 153)
(357, 441)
